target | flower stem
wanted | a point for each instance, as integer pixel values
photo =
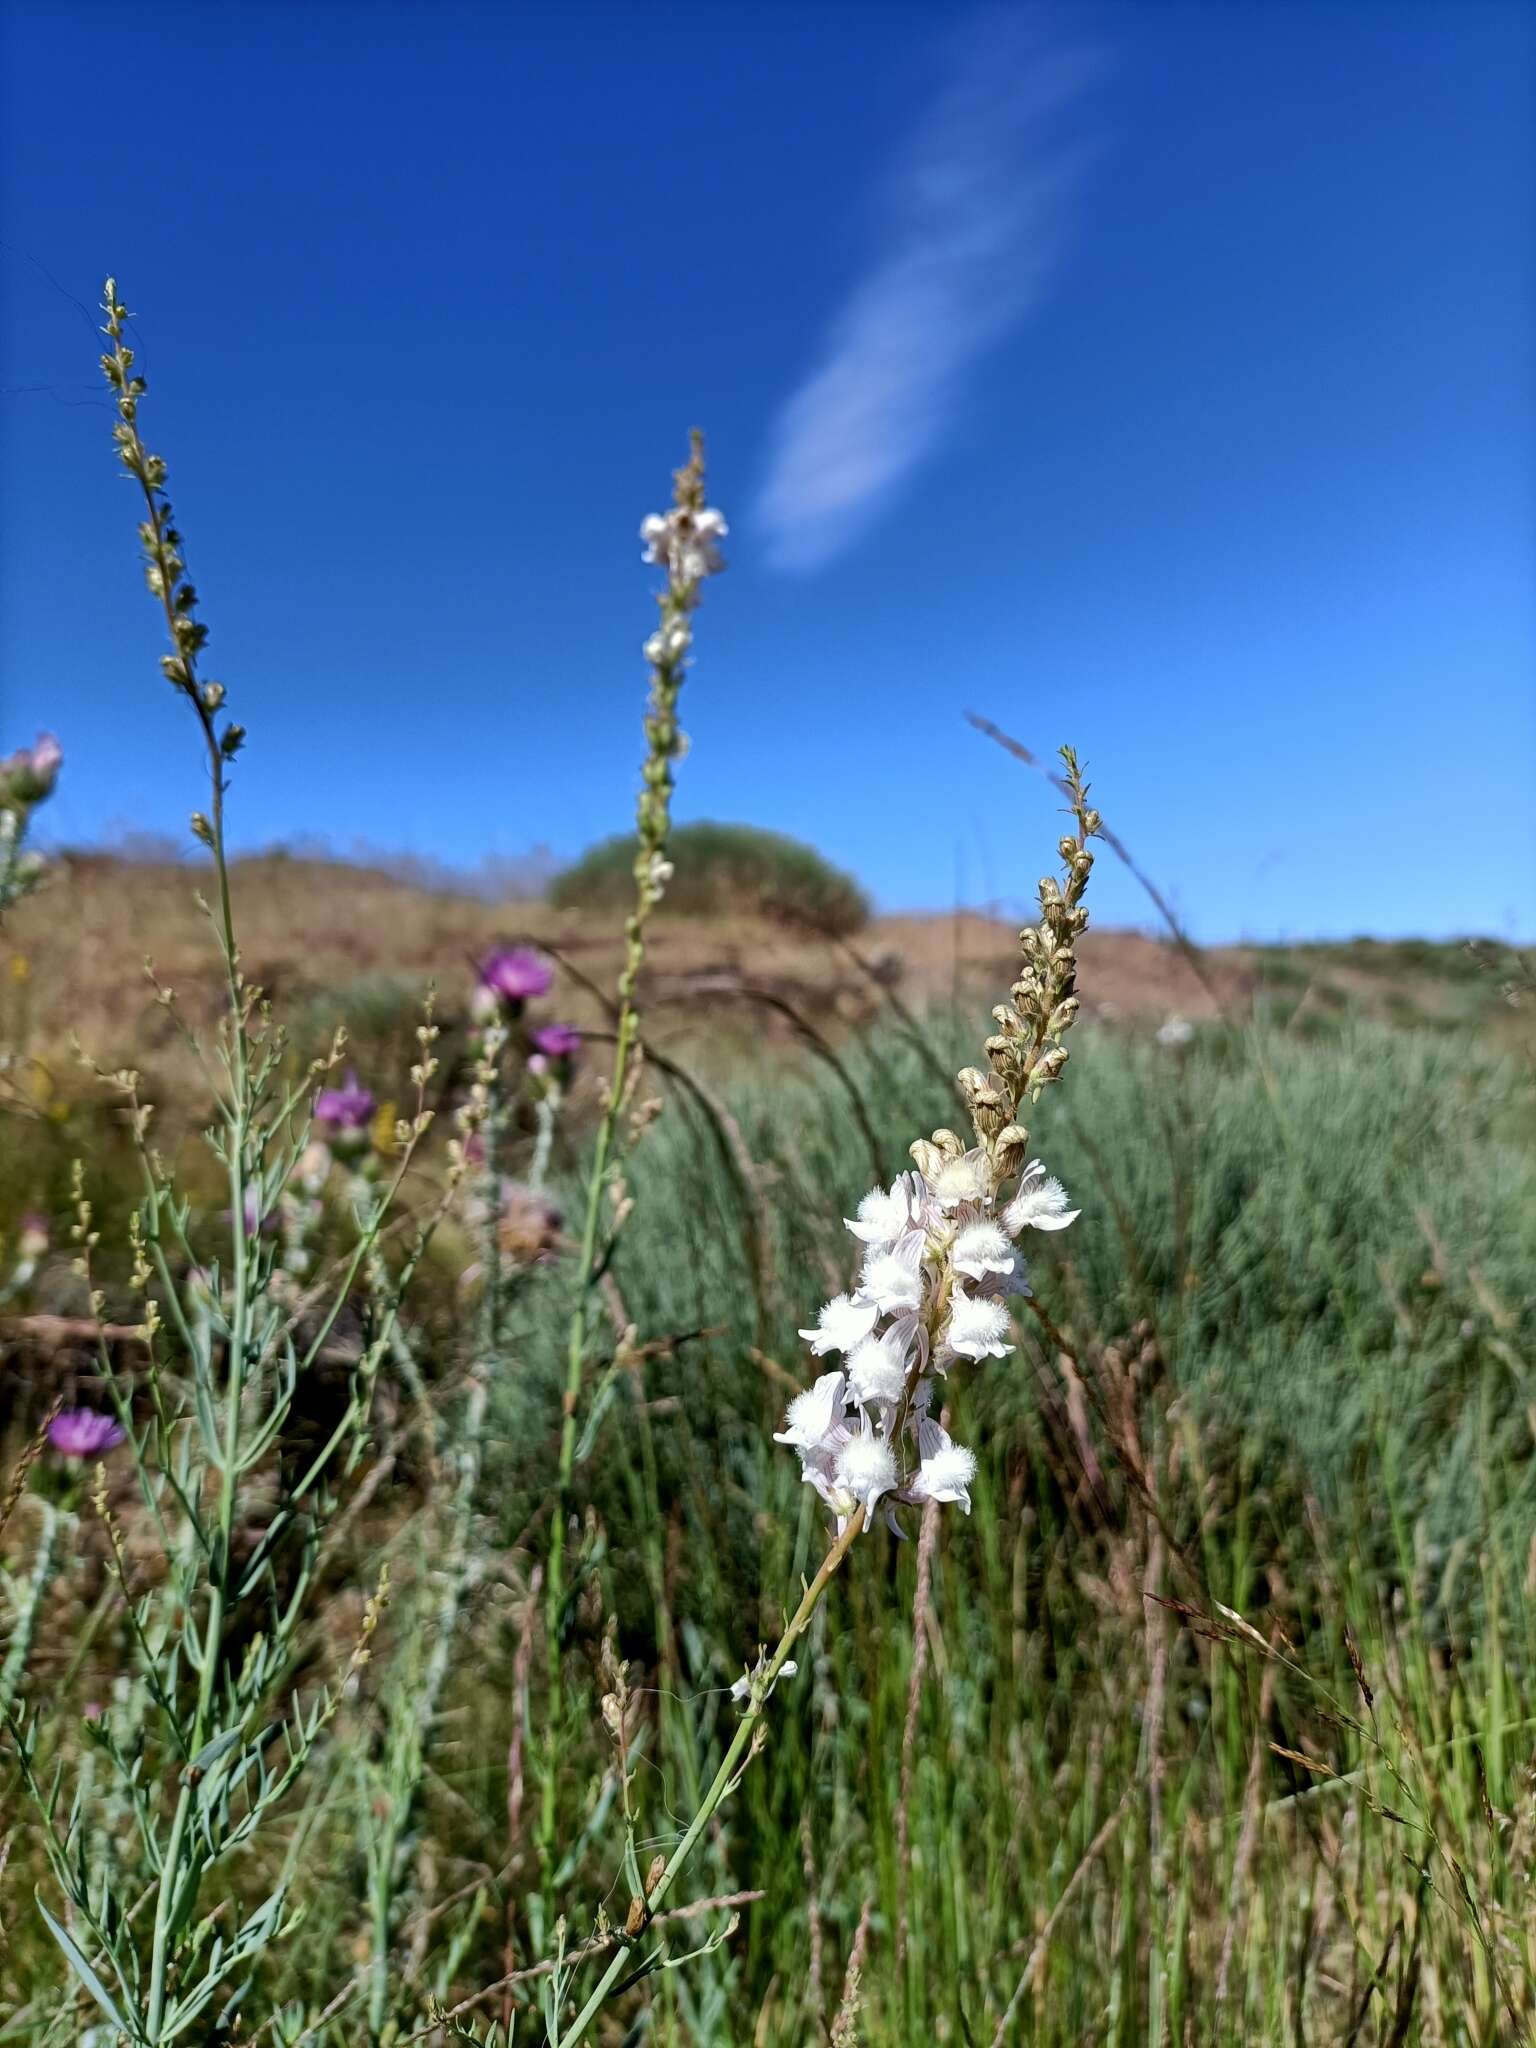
(726, 1775)
(683, 542)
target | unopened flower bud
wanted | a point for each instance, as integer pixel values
(925, 1157)
(1011, 1149)
(1047, 1067)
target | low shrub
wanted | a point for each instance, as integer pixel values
(723, 871)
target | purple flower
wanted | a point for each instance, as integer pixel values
(514, 973)
(28, 775)
(82, 1433)
(345, 1109)
(557, 1041)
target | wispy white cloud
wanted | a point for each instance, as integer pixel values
(974, 216)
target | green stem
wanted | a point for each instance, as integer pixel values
(726, 1774)
(554, 1597)
(653, 822)
(171, 1874)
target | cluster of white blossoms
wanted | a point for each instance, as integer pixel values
(685, 542)
(940, 1261)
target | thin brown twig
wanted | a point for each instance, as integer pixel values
(845, 2026)
(1122, 853)
(1036, 1963)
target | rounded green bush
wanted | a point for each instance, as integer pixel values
(723, 871)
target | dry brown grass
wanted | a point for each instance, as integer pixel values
(310, 928)
(320, 935)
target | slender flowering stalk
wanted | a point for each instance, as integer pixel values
(212, 1736)
(551, 1067)
(941, 1261)
(684, 542)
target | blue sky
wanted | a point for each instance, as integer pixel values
(1158, 378)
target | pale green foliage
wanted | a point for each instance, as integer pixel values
(210, 1739)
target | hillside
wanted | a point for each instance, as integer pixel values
(325, 940)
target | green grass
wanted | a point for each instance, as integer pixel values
(1299, 1304)
(723, 870)
(1299, 1291)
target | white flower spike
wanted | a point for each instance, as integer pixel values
(942, 1260)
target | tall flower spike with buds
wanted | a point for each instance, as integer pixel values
(941, 1245)
(684, 543)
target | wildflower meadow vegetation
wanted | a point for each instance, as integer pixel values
(539, 1539)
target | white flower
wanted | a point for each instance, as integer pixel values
(947, 1468)
(877, 1369)
(686, 542)
(977, 1328)
(814, 1421)
(960, 1180)
(866, 1467)
(884, 1216)
(819, 1469)
(1174, 1031)
(893, 1281)
(1041, 1203)
(983, 1248)
(669, 642)
(841, 1324)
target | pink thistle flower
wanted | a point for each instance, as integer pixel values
(555, 1047)
(28, 775)
(513, 974)
(83, 1433)
(348, 1109)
